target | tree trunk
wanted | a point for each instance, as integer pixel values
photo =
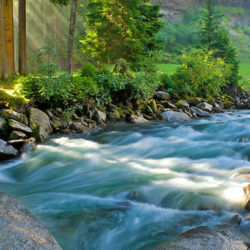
(72, 27)
(2, 54)
(22, 37)
(7, 64)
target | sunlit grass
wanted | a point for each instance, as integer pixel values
(167, 68)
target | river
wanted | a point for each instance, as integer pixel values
(135, 187)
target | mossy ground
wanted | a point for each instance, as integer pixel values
(7, 94)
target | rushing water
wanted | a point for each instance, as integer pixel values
(185, 175)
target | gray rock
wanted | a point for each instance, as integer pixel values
(204, 238)
(182, 104)
(20, 229)
(79, 127)
(135, 196)
(217, 108)
(162, 95)
(15, 125)
(6, 151)
(29, 145)
(138, 120)
(169, 105)
(246, 203)
(173, 116)
(3, 127)
(199, 112)
(17, 144)
(11, 114)
(235, 220)
(15, 135)
(40, 124)
(100, 117)
(195, 101)
(205, 106)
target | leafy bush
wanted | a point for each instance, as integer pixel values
(201, 75)
(84, 87)
(88, 70)
(167, 82)
(56, 88)
(109, 84)
(143, 85)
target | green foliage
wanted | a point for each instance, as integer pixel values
(246, 30)
(214, 37)
(180, 36)
(143, 85)
(121, 29)
(109, 84)
(45, 58)
(201, 75)
(167, 82)
(43, 88)
(60, 2)
(88, 70)
(12, 99)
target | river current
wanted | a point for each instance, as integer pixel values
(135, 187)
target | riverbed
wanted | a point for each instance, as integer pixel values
(135, 187)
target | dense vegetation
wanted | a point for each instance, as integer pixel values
(122, 44)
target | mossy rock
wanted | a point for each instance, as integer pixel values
(3, 127)
(182, 104)
(152, 104)
(14, 101)
(227, 104)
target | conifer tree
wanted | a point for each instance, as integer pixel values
(121, 29)
(215, 37)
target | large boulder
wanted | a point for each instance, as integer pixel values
(19, 229)
(173, 116)
(40, 124)
(162, 95)
(217, 108)
(17, 144)
(15, 135)
(29, 145)
(6, 151)
(3, 127)
(138, 120)
(79, 127)
(205, 106)
(100, 117)
(182, 104)
(11, 114)
(205, 238)
(15, 125)
(247, 197)
(199, 112)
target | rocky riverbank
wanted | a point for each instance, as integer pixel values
(20, 130)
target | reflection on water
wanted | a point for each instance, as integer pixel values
(184, 175)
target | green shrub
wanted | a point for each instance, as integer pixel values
(167, 82)
(109, 84)
(143, 85)
(201, 75)
(43, 88)
(83, 88)
(88, 70)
